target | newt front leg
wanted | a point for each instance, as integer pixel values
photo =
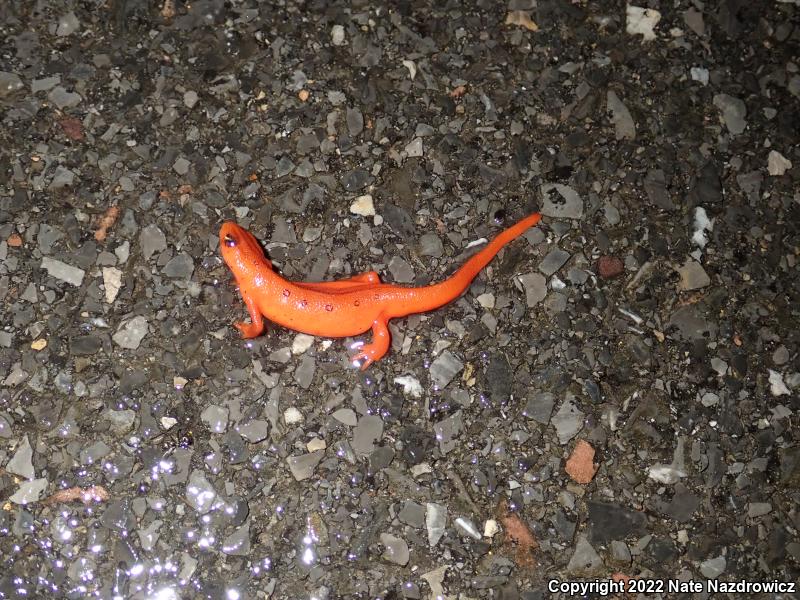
(256, 327)
(381, 339)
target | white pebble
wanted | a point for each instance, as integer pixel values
(642, 21)
(301, 343)
(337, 35)
(411, 385)
(776, 385)
(490, 528)
(486, 300)
(112, 282)
(777, 163)
(363, 206)
(291, 416)
(316, 444)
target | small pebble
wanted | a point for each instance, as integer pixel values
(131, 333)
(363, 206)
(777, 164)
(292, 416)
(337, 35)
(609, 267)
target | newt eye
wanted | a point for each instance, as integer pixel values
(230, 241)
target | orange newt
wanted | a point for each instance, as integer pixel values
(346, 307)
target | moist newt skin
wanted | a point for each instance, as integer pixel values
(346, 307)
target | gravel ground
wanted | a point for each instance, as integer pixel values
(614, 396)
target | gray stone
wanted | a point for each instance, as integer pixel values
(181, 166)
(620, 553)
(67, 25)
(691, 324)
(216, 418)
(304, 374)
(424, 130)
(435, 521)
(561, 201)
(190, 98)
(683, 504)
(430, 244)
(758, 509)
(254, 431)
(713, 567)
(585, 562)
(355, 180)
(29, 491)
(305, 169)
(568, 421)
(395, 549)
(447, 430)
(444, 368)
(148, 536)
(238, 542)
(200, 494)
(94, 453)
(131, 333)
(302, 467)
(781, 355)
(284, 167)
(10, 83)
(554, 260)
(152, 240)
(535, 286)
(30, 295)
(693, 276)
(121, 420)
(347, 416)
(180, 266)
(609, 521)
(401, 271)
(539, 407)
(62, 271)
(415, 149)
(381, 458)
(5, 427)
(467, 528)
(733, 112)
(22, 462)
(63, 177)
(412, 514)
(85, 345)
(64, 99)
(655, 185)
(169, 116)
(621, 117)
(368, 431)
(48, 236)
(355, 122)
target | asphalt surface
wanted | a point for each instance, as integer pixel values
(613, 397)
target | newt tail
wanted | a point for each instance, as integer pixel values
(345, 307)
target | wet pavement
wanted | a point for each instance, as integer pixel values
(614, 396)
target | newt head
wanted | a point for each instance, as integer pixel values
(240, 250)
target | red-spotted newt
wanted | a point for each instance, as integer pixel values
(346, 307)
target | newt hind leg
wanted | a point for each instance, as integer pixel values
(256, 327)
(381, 339)
(342, 285)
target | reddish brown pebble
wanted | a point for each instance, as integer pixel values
(72, 127)
(581, 466)
(609, 267)
(14, 240)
